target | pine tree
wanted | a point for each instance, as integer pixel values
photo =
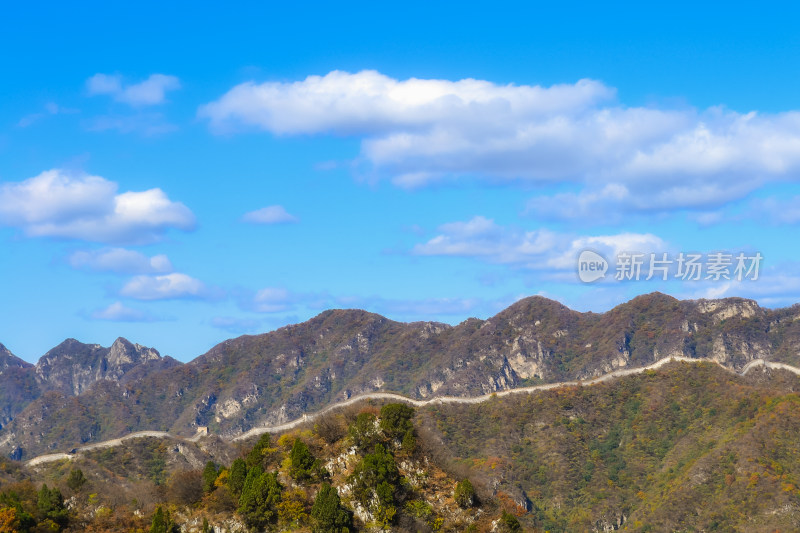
(76, 479)
(158, 524)
(376, 481)
(328, 514)
(409, 443)
(162, 522)
(510, 522)
(464, 494)
(236, 477)
(362, 431)
(252, 476)
(396, 419)
(51, 506)
(303, 465)
(259, 452)
(260, 495)
(210, 474)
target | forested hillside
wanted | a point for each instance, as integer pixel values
(689, 447)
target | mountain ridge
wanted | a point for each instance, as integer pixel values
(270, 378)
(71, 368)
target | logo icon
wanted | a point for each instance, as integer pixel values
(591, 266)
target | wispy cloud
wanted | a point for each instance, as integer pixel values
(120, 261)
(777, 210)
(777, 285)
(145, 124)
(83, 207)
(117, 312)
(166, 287)
(152, 91)
(277, 300)
(539, 249)
(419, 131)
(50, 109)
(273, 214)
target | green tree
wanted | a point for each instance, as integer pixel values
(386, 508)
(258, 453)
(11, 500)
(51, 506)
(510, 522)
(158, 524)
(303, 464)
(409, 443)
(162, 522)
(328, 514)
(260, 496)
(236, 477)
(464, 494)
(210, 474)
(362, 431)
(76, 479)
(252, 474)
(376, 482)
(396, 420)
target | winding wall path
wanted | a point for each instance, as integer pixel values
(439, 400)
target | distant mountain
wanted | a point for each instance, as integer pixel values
(70, 369)
(17, 386)
(277, 376)
(72, 366)
(9, 360)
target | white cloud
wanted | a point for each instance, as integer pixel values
(151, 91)
(609, 246)
(84, 207)
(274, 300)
(121, 261)
(419, 131)
(481, 237)
(164, 287)
(273, 214)
(610, 204)
(538, 249)
(778, 285)
(368, 102)
(104, 84)
(117, 312)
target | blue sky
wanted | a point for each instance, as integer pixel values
(179, 175)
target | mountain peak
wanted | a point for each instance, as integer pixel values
(8, 359)
(124, 352)
(73, 366)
